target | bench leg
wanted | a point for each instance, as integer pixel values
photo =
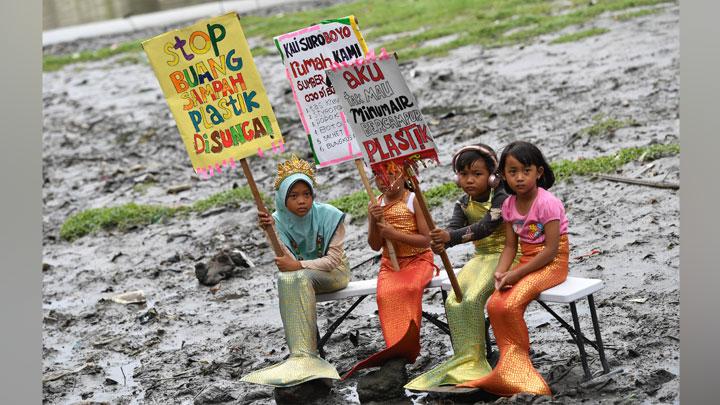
(331, 329)
(566, 325)
(320, 349)
(435, 321)
(579, 340)
(488, 343)
(598, 339)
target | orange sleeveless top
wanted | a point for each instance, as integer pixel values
(401, 218)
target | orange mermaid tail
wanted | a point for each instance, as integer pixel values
(514, 372)
(399, 299)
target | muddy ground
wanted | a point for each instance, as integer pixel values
(109, 139)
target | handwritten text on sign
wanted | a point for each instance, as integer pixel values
(215, 92)
(306, 54)
(382, 112)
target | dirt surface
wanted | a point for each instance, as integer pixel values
(109, 138)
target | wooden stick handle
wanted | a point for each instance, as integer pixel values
(388, 244)
(269, 231)
(431, 224)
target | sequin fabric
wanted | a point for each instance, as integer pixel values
(399, 299)
(398, 214)
(297, 291)
(467, 318)
(514, 372)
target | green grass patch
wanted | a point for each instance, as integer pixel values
(484, 22)
(605, 126)
(606, 164)
(122, 217)
(56, 62)
(636, 14)
(262, 51)
(233, 197)
(576, 36)
(354, 204)
(132, 215)
(439, 194)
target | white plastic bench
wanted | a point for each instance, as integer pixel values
(569, 292)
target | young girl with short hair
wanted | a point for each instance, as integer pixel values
(476, 218)
(537, 219)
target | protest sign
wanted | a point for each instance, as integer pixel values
(382, 112)
(214, 92)
(306, 54)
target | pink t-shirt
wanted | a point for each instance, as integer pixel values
(530, 228)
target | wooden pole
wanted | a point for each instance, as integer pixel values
(388, 244)
(431, 224)
(269, 231)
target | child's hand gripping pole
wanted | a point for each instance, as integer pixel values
(445, 259)
(388, 244)
(269, 231)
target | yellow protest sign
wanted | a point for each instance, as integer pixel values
(215, 93)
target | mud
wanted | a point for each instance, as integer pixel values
(109, 139)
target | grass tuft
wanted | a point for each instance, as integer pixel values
(636, 14)
(354, 204)
(445, 192)
(576, 36)
(56, 62)
(606, 164)
(606, 126)
(122, 217)
(133, 215)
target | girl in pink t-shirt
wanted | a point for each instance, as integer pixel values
(537, 219)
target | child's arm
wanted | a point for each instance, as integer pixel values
(508, 253)
(375, 212)
(552, 242)
(483, 228)
(333, 258)
(420, 239)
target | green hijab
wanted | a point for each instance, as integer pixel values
(308, 237)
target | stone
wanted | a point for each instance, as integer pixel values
(385, 383)
(312, 391)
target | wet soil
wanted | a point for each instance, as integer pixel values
(109, 139)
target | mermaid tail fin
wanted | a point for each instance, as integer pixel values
(297, 369)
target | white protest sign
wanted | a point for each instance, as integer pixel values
(306, 54)
(382, 112)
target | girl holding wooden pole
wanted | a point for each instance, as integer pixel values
(314, 261)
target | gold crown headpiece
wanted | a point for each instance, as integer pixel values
(292, 166)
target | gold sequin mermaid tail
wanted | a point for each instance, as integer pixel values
(297, 308)
(399, 299)
(514, 372)
(467, 327)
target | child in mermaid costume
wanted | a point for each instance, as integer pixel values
(312, 235)
(537, 219)
(477, 218)
(399, 293)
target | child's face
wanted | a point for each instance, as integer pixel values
(473, 179)
(299, 199)
(394, 183)
(522, 179)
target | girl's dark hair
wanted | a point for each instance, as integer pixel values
(528, 154)
(466, 158)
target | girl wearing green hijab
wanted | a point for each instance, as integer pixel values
(312, 235)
